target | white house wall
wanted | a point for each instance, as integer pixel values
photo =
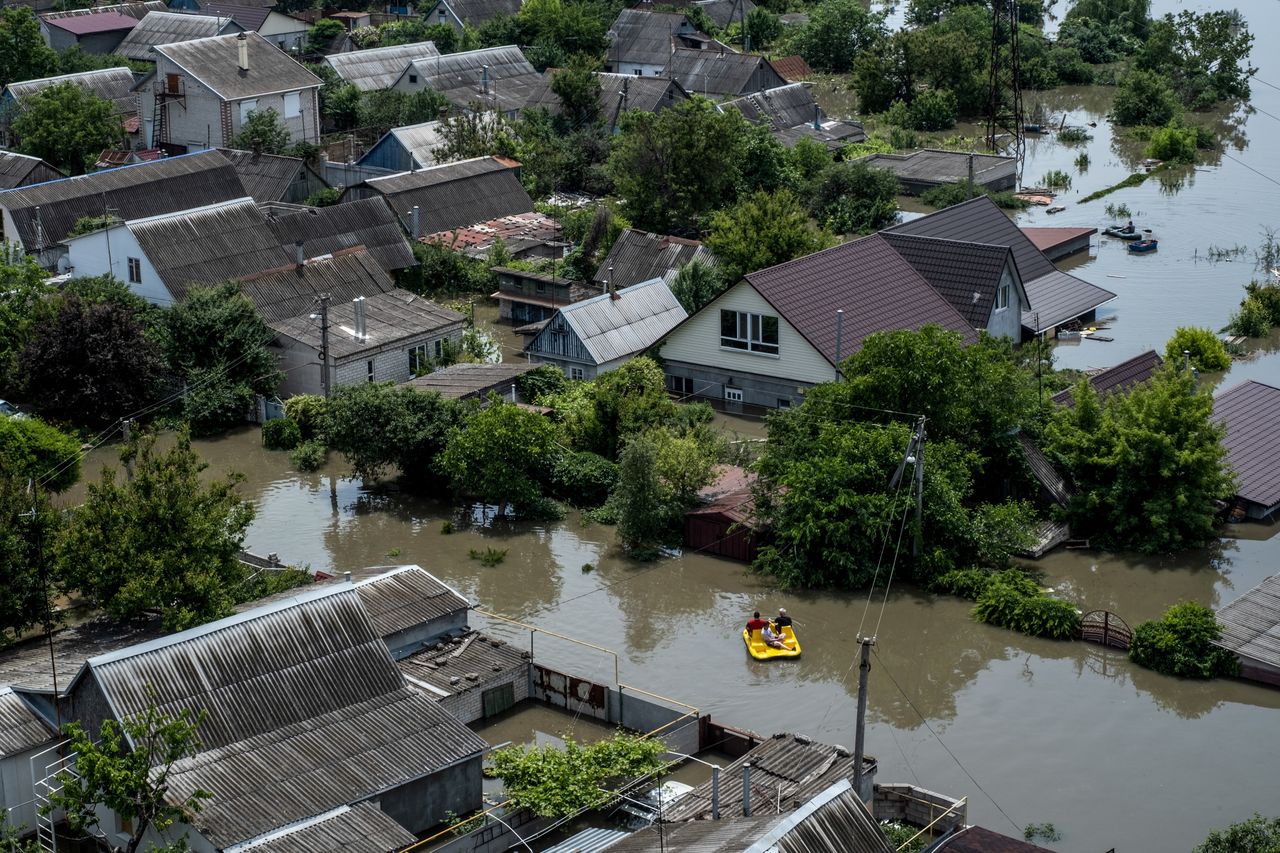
(107, 252)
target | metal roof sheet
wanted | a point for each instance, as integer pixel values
(716, 72)
(158, 28)
(20, 728)
(614, 326)
(451, 669)
(419, 141)
(1044, 472)
(593, 840)
(287, 296)
(362, 828)
(215, 63)
(17, 170)
(1251, 413)
(1123, 376)
(512, 83)
(266, 177)
(367, 222)
(110, 84)
(378, 67)
(101, 22)
(408, 596)
(459, 381)
(137, 11)
(1251, 623)
(644, 37)
(792, 68)
(638, 256)
(1059, 297)
(966, 274)
(944, 167)
(454, 195)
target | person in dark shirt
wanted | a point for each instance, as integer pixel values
(755, 623)
(783, 619)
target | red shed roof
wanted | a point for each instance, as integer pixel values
(1047, 239)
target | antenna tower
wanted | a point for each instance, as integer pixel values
(1004, 105)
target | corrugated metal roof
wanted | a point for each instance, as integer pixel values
(215, 63)
(287, 296)
(1123, 376)
(378, 67)
(20, 728)
(1251, 413)
(792, 68)
(367, 222)
(26, 664)
(1251, 623)
(459, 381)
(408, 596)
(158, 28)
(419, 141)
(594, 840)
(1044, 472)
(455, 195)
(463, 662)
(110, 84)
(140, 190)
(102, 22)
(1058, 298)
(612, 328)
(966, 274)
(638, 256)
(18, 170)
(779, 108)
(137, 11)
(362, 828)
(266, 177)
(874, 285)
(513, 83)
(717, 72)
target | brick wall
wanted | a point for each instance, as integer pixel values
(468, 705)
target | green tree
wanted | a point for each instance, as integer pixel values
(852, 197)
(68, 126)
(1258, 834)
(216, 342)
(126, 769)
(383, 109)
(1148, 465)
(659, 476)
(163, 540)
(674, 167)
(25, 302)
(626, 401)
(1205, 350)
(25, 55)
(377, 426)
(28, 528)
(474, 132)
(838, 30)
(696, 284)
(1205, 56)
(763, 27)
(33, 449)
(322, 34)
(578, 90)
(500, 456)
(262, 132)
(1143, 97)
(92, 363)
(761, 231)
(1181, 643)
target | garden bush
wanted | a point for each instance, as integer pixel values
(1172, 143)
(1180, 643)
(1012, 600)
(583, 479)
(1252, 319)
(1207, 352)
(307, 411)
(309, 455)
(281, 434)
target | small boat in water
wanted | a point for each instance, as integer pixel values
(760, 650)
(1057, 208)
(1143, 246)
(1120, 233)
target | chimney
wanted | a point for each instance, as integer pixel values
(484, 79)
(299, 255)
(613, 291)
(358, 304)
(415, 219)
(817, 117)
(746, 790)
(242, 42)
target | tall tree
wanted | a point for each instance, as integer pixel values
(379, 426)
(164, 540)
(125, 769)
(696, 284)
(25, 55)
(501, 456)
(67, 125)
(28, 527)
(33, 449)
(838, 30)
(761, 231)
(852, 197)
(25, 301)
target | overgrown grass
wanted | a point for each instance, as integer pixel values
(489, 556)
(1133, 180)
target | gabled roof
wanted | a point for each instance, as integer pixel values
(975, 839)
(460, 381)
(20, 728)
(874, 285)
(248, 17)
(638, 256)
(1251, 624)
(1122, 377)
(779, 108)
(619, 94)
(266, 177)
(419, 141)
(611, 327)
(461, 77)
(110, 84)
(726, 12)
(18, 170)
(966, 274)
(405, 596)
(378, 67)
(215, 63)
(159, 28)
(391, 315)
(643, 37)
(143, 189)
(367, 222)
(286, 296)
(453, 195)
(361, 828)
(715, 72)
(100, 22)
(792, 68)
(137, 11)
(833, 134)
(1251, 413)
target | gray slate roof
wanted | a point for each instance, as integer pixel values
(288, 294)
(471, 654)
(620, 94)
(158, 28)
(18, 170)
(645, 37)
(362, 828)
(20, 728)
(726, 12)
(140, 190)
(1123, 376)
(266, 177)
(215, 63)
(476, 12)
(944, 167)
(378, 67)
(110, 84)
(1251, 413)
(779, 108)
(137, 11)
(208, 244)
(611, 328)
(406, 595)
(460, 77)
(418, 140)
(454, 195)
(461, 381)
(366, 222)
(874, 285)
(391, 316)
(1251, 623)
(638, 256)
(966, 274)
(718, 72)
(26, 664)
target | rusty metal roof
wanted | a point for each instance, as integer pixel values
(1122, 377)
(975, 839)
(362, 828)
(463, 662)
(1251, 413)
(407, 596)
(20, 728)
(1251, 623)
(792, 68)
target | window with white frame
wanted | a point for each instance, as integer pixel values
(292, 104)
(247, 107)
(751, 332)
(418, 360)
(135, 271)
(1003, 294)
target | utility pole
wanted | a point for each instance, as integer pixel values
(917, 544)
(42, 568)
(126, 434)
(324, 345)
(860, 737)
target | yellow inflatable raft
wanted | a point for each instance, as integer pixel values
(760, 651)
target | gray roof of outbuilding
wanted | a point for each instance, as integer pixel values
(367, 222)
(1123, 376)
(138, 11)
(20, 728)
(214, 62)
(140, 190)
(157, 28)
(1251, 623)
(110, 84)
(713, 72)
(418, 140)
(614, 326)
(406, 595)
(454, 195)
(266, 177)
(874, 285)
(392, 315)
(477, 12)
(833, 135)
(459, 381)
(16, 169)
(378, 67)
(287, 295)
(619, 94)
(361, 828)
(780, 108)
(966, 274)
(1251, 413)
(944, 167)
(638, 256)
(473, 653)
(27, 665)
(726, 12)
(460, 77)
(641, 36)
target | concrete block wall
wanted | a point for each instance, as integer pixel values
(468, 705)
(916, 806)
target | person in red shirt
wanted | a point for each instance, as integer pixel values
(755, 623)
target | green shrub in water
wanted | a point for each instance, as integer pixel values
(280, 434)
(309, 455)
(1180, 643)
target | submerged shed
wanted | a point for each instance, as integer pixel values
(1251, 630)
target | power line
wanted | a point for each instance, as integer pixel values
(1251, 169)
(1265, 83)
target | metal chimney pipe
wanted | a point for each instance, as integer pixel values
(746, 789)
(484, 71)
(817, 117)
(242, 43)
(1186, 359)
(416, 217)
(346, 576)
(299, 255)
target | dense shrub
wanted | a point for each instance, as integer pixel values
(307, 411)
(1012, 600)
(1172, 143)
(31, 448)
(965, 583)
(309, 455)
(583, 479)
(1181, 643)
(1207, 352)
(932, 110)
(1251, 320)
(281, 434)
(1144, 98)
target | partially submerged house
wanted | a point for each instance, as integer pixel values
(596, 335)
(723, 522)
(158, 28)
(638, 256)
(791, 114)
(640, 41)
(492, 79)
(378, 67)
(1250, 412)
(526, 236)
(203, 91)
(467, 381)
(1251, 631)
(720, 72)
(1113, 380)
(530, 297)
(23, 170)
(1060, 242)
(274, 177)
(929, 167)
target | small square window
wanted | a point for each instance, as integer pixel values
(413, 78)
(135, 271)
